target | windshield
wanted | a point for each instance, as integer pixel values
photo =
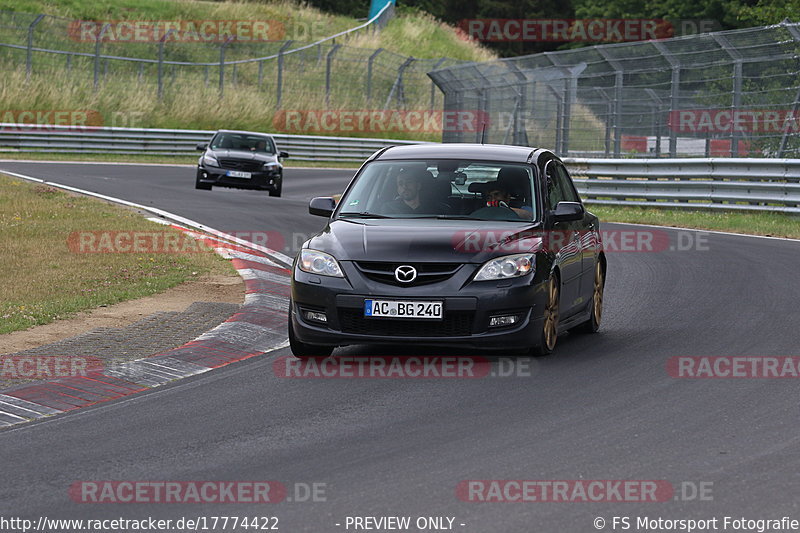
(243, 141)
(477, 190)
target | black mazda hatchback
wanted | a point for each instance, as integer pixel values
(481, 246)
(241, 159)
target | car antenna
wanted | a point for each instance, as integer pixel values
(483, 133)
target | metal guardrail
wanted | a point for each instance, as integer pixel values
(703, 183)
(699, 183)
(23, 138)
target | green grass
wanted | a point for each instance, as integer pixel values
(128, 97)
(769, 224)
(46, 279)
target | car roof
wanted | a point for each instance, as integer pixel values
(493, 152)
(245, 132)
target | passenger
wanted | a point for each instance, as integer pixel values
(498, 197)
(408, 201)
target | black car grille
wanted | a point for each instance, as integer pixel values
(239, 164)
(426, 272)
(454, 324)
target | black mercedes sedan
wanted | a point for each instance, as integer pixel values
(481, 246)
(241, 159)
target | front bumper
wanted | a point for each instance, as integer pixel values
(467, 310)
(264, 181)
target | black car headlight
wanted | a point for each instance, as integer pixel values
(210, 160)
(271, 167)
(508, 266)
(320, 263)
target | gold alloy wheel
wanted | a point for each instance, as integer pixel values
(551, 316)
(597, 297)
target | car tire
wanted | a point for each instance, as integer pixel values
(301, 350)
(593, 323)
(548, 336)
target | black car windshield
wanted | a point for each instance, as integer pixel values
(444, 188)
(243, 142)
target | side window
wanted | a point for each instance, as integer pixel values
(565, 184)
(554, 193)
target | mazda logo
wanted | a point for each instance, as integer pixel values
(405, 273)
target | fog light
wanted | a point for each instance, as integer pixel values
(315, 316)
(504, 320)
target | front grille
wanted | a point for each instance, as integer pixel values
(239, 164)
(426, 272)
(454, 324)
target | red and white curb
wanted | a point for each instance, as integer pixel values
(257, 328)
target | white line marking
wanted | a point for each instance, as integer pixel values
(706, 231)
(166, 214)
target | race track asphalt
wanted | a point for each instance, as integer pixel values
(603, 408)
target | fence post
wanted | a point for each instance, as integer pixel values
(279, 83)
(222, 66)
(785, 135)
(433, 85)
(97, 41)
(29, 56)
(369, 74)
(329, 61)
(161, 43)
(398, 85)
(674, 92)
(736, 96)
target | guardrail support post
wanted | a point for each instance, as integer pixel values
(29, 55)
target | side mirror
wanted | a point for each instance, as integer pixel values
(567, 211)
(284, 155)
(201, 147)
(322, 206)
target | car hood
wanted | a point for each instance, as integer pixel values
(424, 240)
(243, 154)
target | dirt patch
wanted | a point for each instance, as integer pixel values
(214, 288)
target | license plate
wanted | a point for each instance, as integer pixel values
(238, 174)
(402, 309)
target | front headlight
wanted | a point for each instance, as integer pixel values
(210, 160)
(508, 266)
(271, 166)
(320, 263)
